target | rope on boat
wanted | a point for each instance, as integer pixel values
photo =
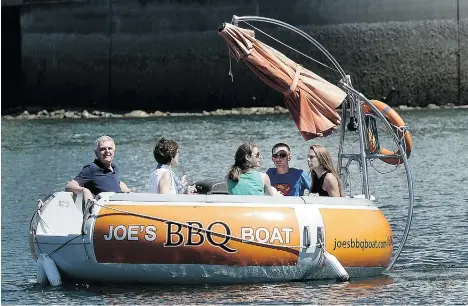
(230, 67)
(40, 217)
(320, 244)
(179, 223)
(38, 213)
(204, 229)
(33, 232)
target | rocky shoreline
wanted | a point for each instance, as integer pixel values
(242, 111)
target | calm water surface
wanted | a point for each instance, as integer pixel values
(39, 157)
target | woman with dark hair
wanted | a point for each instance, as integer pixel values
(325, 180)
(243, 179)
(163, 179)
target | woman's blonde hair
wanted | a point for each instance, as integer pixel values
(325, 161)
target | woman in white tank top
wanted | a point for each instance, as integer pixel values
(155, 180)
(163, 179)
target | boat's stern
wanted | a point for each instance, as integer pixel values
(57, 217)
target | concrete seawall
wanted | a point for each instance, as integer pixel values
(168, 56)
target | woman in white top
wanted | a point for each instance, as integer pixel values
(163, 179)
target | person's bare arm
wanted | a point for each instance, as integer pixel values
(74, 187)
(330, 185)
(165, 183)
(269, 190)
(123, 187)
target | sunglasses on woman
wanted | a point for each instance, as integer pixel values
(257, 155)
(279, 155)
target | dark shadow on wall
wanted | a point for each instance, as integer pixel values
(166, 55)
(11, 57)
(66, 54)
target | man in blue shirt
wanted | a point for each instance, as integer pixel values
(288, 181)
(102, 175)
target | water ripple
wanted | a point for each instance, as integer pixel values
(432, 268)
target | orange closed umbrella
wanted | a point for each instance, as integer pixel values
(310, 99)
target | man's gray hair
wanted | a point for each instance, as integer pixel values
(101, 140)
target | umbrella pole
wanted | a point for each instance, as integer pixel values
(363, 154)
(339, 166)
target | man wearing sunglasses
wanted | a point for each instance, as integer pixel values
(288, 181)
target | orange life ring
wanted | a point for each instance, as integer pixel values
(395, 119)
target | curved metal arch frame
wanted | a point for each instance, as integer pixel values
(356, 98)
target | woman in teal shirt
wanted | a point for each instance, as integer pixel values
(242, 179)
